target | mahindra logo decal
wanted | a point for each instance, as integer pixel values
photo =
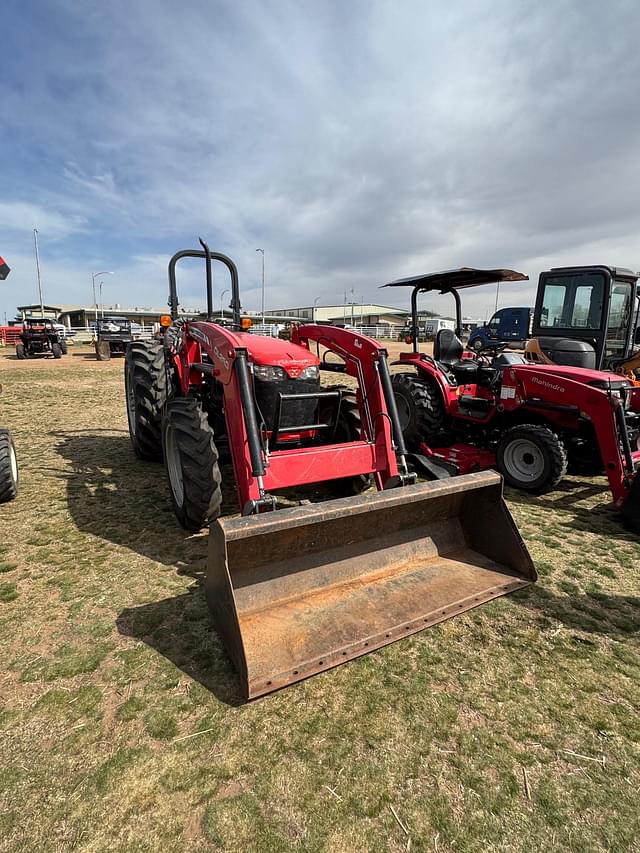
(221, 358)
(548, 385)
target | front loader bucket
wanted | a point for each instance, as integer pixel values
(301, 590)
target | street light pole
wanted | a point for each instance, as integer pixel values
(93, 282)
(35, 240)
(262, 253)
(221, 298)
(497, 295)
(313, 310)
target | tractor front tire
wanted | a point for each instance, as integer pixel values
(56, 350)
(348, 428)
(9, 476)
(531, 458)
(191, 463)
(20, 352)
(103, 351)
(420, 408)
(146, 393)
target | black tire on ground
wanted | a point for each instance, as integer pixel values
(531, 458)
(64, 347)
(103, 351)
(9, 477)
(56, 350)
(477, 345)
(631, 507)
(146, 395)
(20, 351)
(348, 428)
(191, 463)
(420, 408)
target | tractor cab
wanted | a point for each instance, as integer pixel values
(585, 317)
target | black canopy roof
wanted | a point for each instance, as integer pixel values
(456, 279)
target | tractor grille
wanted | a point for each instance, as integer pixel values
(293, 412)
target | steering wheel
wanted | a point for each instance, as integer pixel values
(491, 349)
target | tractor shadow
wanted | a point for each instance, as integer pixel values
(113, 495)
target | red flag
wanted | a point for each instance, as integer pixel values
(4, 269)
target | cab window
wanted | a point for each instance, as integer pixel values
(573, 301)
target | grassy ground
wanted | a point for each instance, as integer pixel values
(513, 727)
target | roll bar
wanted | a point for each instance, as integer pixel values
(208, 256)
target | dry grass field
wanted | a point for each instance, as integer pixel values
(513, 727)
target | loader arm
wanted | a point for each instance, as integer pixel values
(603, 407)
(367, 361)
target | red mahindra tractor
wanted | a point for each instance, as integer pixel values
(304, 588)
(462, 411)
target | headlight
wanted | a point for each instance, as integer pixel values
(312, 372)
(268, 372)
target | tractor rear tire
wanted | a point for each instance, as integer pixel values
(348, 428)
(145, 380)
(56, 350)
(9, 477)
(191, 463)
(420, 408)
(531, 458)
(20, 352)
(103, 351)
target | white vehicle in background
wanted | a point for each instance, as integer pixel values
(432, 326)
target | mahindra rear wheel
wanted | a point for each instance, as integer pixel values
(191, 463)
(531, 458)
(420, 408)
(631, 507)
(146, 394)
(9, 476)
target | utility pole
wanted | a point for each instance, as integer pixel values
(35, 240)
(221, 299)
(313, 310)
(497, 295)
(93, 282)
(262, 253)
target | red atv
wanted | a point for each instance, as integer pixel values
(465, 412)
(40, 337)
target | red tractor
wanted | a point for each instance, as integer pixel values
(300, 590)
(464, 411)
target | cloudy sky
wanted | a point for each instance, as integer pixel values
(355, 141)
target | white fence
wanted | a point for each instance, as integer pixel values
(381, 331)
(83, 335)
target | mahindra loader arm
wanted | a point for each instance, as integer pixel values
(301, 590)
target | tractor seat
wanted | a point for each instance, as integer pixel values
(448, 349)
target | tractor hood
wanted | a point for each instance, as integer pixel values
(596, 378)
(277, 353)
